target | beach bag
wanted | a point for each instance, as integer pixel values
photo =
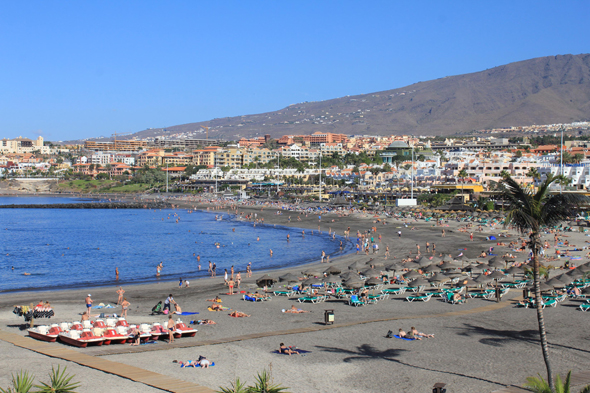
(389, 334)
(166, 312)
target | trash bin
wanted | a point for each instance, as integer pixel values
(439, 387)
(328, 316)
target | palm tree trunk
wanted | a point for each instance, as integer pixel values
(535, 244)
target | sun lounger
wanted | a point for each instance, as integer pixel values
(354, 301)
(376, 298)
(414, 289)
(584, 307)
(481, 295)
(311, 299)
(419, 297)
(393, 291)
(513, 284)
(451, 300)
(284, 293)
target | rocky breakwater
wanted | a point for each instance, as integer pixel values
(94, 205)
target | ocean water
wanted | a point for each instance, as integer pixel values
(73, 248)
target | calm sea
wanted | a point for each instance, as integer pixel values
(73, 248)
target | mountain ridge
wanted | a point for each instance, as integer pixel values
(543, 90)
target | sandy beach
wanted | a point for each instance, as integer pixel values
(479, 346)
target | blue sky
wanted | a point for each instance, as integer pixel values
(82, 69)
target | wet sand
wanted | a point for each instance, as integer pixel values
(482, 351)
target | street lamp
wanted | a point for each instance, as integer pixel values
(320, 175)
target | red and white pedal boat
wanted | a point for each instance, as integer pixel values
(45, 333)
(110, 334)
(183, 331)
(158, 331)
(80, 339)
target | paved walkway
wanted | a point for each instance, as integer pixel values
(136, 374)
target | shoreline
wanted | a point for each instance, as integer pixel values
(278, 270)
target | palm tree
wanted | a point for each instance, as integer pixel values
(534, 173)
(529, 212)
(504, 174)
(463, 174)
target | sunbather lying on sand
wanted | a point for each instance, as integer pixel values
(216, 300)
(295, 310)
(216, 307)
(284, 349)
(420, 334)
(409, 335)
(238, 314)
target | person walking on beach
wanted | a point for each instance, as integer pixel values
(170, 326)
(225, 277)
(232, 272)
(125, 306)
(427, 247)
(238, 279)
(323, 256)
(214, 270)
(120, 292)
(116, 273)
(230, 284)
(180, 283)
(386, 252)
(471, 236)
(433, 248)
(399, 234)
(443, 233)
(88, 304)
(210, 267)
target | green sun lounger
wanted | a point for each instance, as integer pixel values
(584, 307)
(393, 291)
(418, 297)
(354, 301)
(284, 293)
(311, 299)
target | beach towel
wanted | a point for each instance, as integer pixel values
(186, 313)
(301, 351)
(403, 338)
(223, 308)
(191, 364)
(109, 306)
(492, 238)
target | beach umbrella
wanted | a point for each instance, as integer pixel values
(556, 283)
(497, 275)
(348, 275)
(411, 275)
(447, 258)
(378, 264)
(311, 281)
(455, 275)
(265, 280)
(575, 274)
(357, 266)
(545, 287)
(448, 266)
(564, 278)
(585, 268)
(419, 282)
(332, 280)
(373, 281)
(497, 264)
(514, 270)
(463, 258)
(411, 265)
(289, 277)
(435, 260)
(312, 272)
(371, 273)
(424, 261)
(394, 267)
(332, 270)
(494, 259)
(439, 277)
(432, 269)
(353, 283)
(483, 279)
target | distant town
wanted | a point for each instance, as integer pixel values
(396, 163)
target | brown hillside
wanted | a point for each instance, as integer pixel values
(544, 90)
